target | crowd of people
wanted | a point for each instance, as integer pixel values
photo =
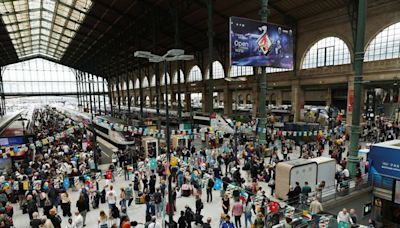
(61, 161)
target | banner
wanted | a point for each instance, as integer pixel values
(254, 43)
(385, 160)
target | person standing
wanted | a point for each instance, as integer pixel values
(182, 220)
(225, 204)
(79, 220)
(153, 223)
(210, 186)
(103, 220)
(54, 218)
(353, 216)
(31, 206)
(81, 205)
(305, 191)
(152, 183)
(158, 202)
(199, 205)
(227, 223)
(316, 206)
(237, 211)
(297, 192)
(344, 216)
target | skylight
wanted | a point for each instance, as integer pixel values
(43, 27)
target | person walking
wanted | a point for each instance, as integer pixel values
(122, 196)
(129, 194)
(249, 206)
(237, 211)
(111, 198)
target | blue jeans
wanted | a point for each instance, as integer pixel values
(150, 210)
(123, 203)
(247, 218)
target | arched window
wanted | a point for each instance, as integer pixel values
(237, 71)
(162, 82)
(123, 86)
(153, 80)
(175, 78)
(385, 45)
(218, 71)
(275, 69)
(327, 52)
(195, 74)
(137, 83)
(145, 82)
(130, 84)
(115, 88)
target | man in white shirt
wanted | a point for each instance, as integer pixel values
(78, 220)
(111, 197)
(343, 216)
(153, 223)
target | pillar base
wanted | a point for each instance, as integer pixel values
(262, 136)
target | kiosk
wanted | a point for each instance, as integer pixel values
(181, 141)
(150, 145)
(290, 172)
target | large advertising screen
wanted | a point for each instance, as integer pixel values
(253, 43)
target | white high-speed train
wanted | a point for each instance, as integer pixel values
(108, 128)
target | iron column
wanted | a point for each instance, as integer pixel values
(98, 91)
(210, 56)
(118, 96)
(262, 82)
(358, 71)
(90, 96)
(168, 139)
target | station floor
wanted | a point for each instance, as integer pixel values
(137, 212)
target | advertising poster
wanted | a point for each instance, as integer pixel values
(253, 43)
(385, 161)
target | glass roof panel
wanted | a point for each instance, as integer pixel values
(31, 23)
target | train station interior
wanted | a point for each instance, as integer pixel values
(199, 113)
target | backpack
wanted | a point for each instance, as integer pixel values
(157, 197)
(115, 212)
(57, 221)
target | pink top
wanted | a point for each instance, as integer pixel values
(237, 209)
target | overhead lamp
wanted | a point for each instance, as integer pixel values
(174, 52)
(143, 54)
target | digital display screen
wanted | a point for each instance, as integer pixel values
(254, 43)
